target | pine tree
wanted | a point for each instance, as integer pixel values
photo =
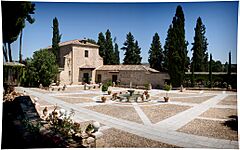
(101, 42)
(56, 40)
(200, 55)
(156, 53)
(129, 46)
(137, 53)
(109, 53)
(176, 49)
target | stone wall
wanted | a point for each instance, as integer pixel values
(138, 78)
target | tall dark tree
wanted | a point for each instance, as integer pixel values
(176, 49)
(116, 52)
(155, 52)
(200, 55)
(101, 42)
(56, 39)
(229, 64)
(129, 46)
(14, 15)
(137, 52)
(109, 53)
(210, 71)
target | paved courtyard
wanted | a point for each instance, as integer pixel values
(192, 119)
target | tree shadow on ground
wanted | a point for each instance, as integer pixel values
(232, 123)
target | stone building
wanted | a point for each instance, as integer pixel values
(80, 63)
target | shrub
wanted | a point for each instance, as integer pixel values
(104, 87)
(167, 87)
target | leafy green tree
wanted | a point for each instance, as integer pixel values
(155, 58)
(200, 55)
(132, 51)
(101, 42)
(14, 15)
(56, 39)
(137, 52)
(109, 53)
(41, 68)
(217, 66)
(210, 71)
(176, 49)
(91, 41)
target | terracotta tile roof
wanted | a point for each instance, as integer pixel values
(127, 67)
(87, 67)
(76, 42)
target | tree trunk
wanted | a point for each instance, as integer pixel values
(20, 47)
(5, 52)
(9, 52)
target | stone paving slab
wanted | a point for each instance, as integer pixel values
(177, 121)
(151, 132)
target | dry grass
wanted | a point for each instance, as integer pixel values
(219, 113)
(118, 138)
(157, 113)
(127, 113)
(209, 128)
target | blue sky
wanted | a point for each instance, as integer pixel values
(143, 20)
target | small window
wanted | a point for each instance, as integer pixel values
(86, 53)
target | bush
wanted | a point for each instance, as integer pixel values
(167, 87)
(104, 87)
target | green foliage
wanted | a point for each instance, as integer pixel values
(229, 64)
(110, 56)
(167, 87)
(210, 71)
(156, 53)
(200, 55)
(109, 53)
(14, 15)
(41, 68)
(101, 43)
(132, 51)
(91, 41)
(56, 39)
(104, 87)
(175, 49)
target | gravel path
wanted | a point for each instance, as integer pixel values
(74, 100)
(229, 100)
(127, 113)
(220, 113)
(157, 113)
(215, 129)
(197, 100)
(118, 138)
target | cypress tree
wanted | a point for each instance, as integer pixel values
(176, 49)
(109, 53)
(129, 46)
(229, 64)
(210, 71)
(200, 55)
(101, 42)
(56, 39)
(156, 53)
(137, 53)
(116, 51)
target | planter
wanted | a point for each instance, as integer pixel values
(103, 99)
(166, 99)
